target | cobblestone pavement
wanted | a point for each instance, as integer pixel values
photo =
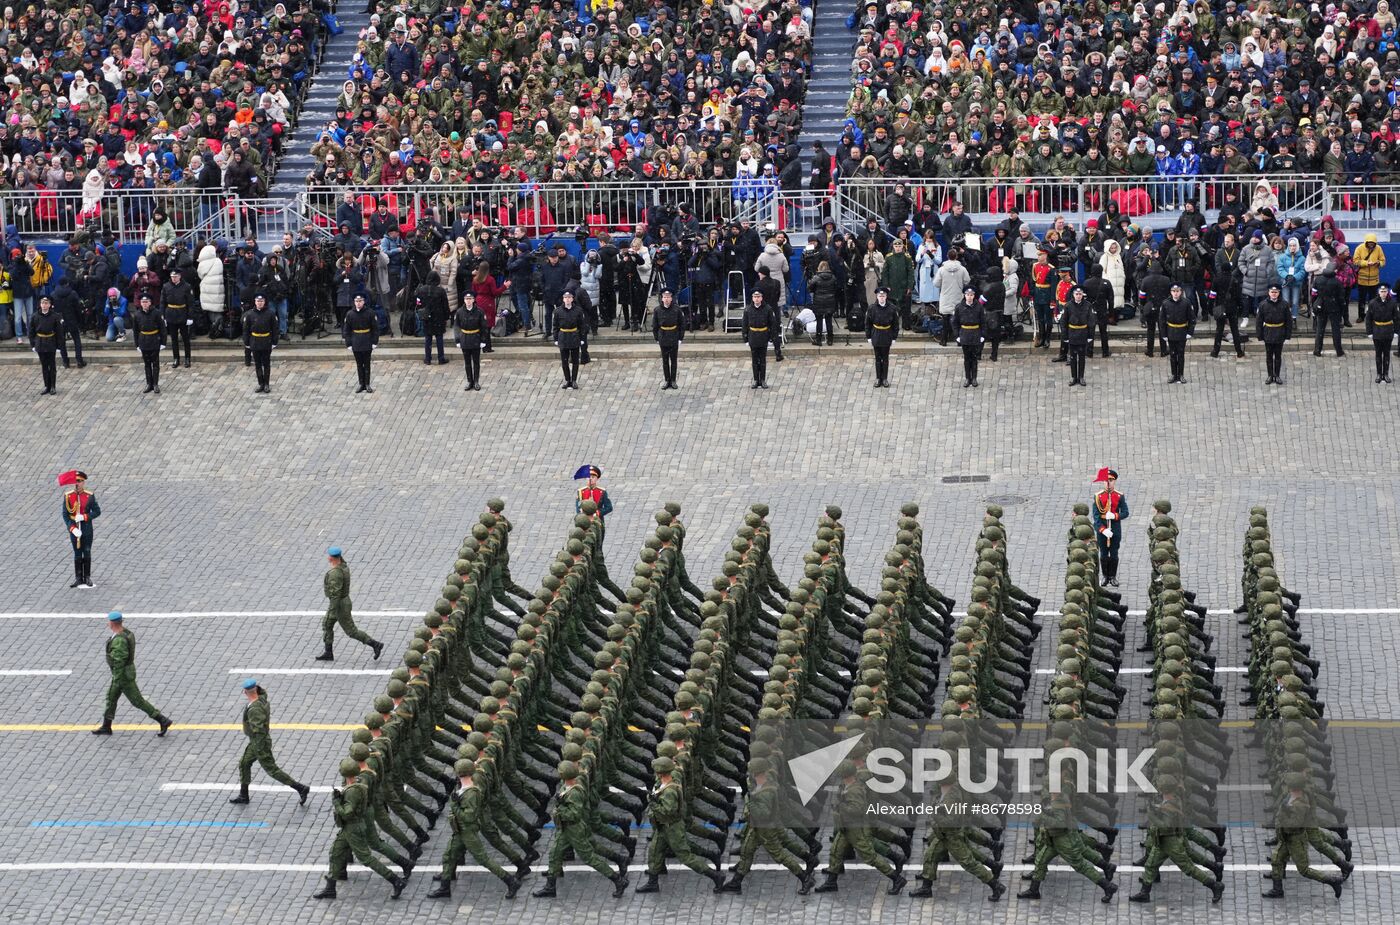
(218, 504)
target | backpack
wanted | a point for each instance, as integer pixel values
(408, 323)
(1346, 272)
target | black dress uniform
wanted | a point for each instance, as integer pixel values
(569, 337)
(1329, 303)
(260, 334)
(668, 324)
(994, 307)
(69, 306)
(1153, 290)
(1225, 306)
(1100, 295)
(45, 335)
(1381, 315)
(969, 323)
(761, 325)
(149, 325)
(470, 335)
(882, 320)
(1178, 321)
(361, 331)
(1079, 333)
(176, 300)
(1275, 327)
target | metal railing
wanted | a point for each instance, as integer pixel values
(858, 200)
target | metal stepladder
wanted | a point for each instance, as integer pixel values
(734, 302)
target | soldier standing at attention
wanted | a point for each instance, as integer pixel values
(1178, 321)
(761, 325)
(361, 332)
(337, 588)
(260, 328)
(569, 338)
(1110, 510)
(46, 333)
(1079, 334)
(592, 491)
(969, 320)
(668, 324)
(256, 719)
(1380, 327)
(1275, 327)
(470, 322)
(121, 659)
(176, 297)
(883, 318)
(149, 325)
(79, 508)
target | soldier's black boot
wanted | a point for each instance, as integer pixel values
(1276, 891)
(897, 883)
(546, 891)
(924, 889)
(1143, 895)
(513, 885)
(734, 884)
(1109, 888)
(1336, 884)
(327, 890)
(1217, 890)
(619, 882)
(242, 797)
(1030, 892)
(164, 722)
(303, 791)
(377, 647)
(652, 884)
(998, 891)
(77, 574)
(326, 656)
(442, 888)
(828, 885)
(717, 878)
(398, 883)
(105, 729)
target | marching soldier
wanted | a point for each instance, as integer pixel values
(668, 820)
(361, 332)
(573, 830)
(761, 812)
(1079, 334)
(1380, 327)
(470, 336)
(466, 809)
(761, 325)
(121, 660)
(256, 726)
(1275, 328)
(46, 335)
(883, 319)
(175, 299)
(353, 814)
(969, 320)
(1178, 323)
(570, 336)
(149, 326)
(668, 324)
(79, 508)
(260, 334)
(336, 585)
(1110, 509)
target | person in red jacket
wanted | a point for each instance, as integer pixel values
(487, 290)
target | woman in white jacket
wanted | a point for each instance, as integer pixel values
(778, 267)
(591, 275)
(1114, 273)
(444, 264)
(211, 285)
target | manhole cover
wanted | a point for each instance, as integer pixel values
(963, 479)
(1007, 500)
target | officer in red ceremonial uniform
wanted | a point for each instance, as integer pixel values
(1064, 290)
(1043, 294)
(592, 491)
(1110, 510)
(79, 508)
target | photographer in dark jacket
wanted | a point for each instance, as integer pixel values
(69, 306)
(823, 289)
(430, 305)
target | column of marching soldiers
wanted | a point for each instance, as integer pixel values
(594, 706)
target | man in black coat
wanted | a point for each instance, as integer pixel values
(261, 331)
(1178, 323)
(1329, 301)
(761, 326)
(69, 306)
(1100, 294)
(822, 287)
(430, 305)
(882, 328)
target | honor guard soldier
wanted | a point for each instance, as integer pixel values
(361, 332)
(260, 334)
(121, 660)
(668, 324)
(470, 325)
(1110, 509)
(1079, 334)
(1380, 327)
(969, 321)
(149, 325)
(1275, 328)
(1043, 296)
(761, 325)
(257, 718)
(45, 335)
(175, 299)
(592, 491)
(883, 321)
(1064, 294)
(1178, 322)
(570, 336)
(79, 509)
(336, 585)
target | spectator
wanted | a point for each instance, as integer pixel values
(113, 312)
(211, 285)
(1292, 273)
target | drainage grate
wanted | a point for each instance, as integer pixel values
(1007, 500)
(964, 479)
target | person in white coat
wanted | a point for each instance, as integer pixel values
(211, 285)
(1114, 273)
(778, 268)
(951, 279)
(926, 264)
(591, 276)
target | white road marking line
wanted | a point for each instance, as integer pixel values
(204, 614)
(218, 866)
(254, 672)
(1244, 788)
(34, 673)
(1224, 669)
(256, 788)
